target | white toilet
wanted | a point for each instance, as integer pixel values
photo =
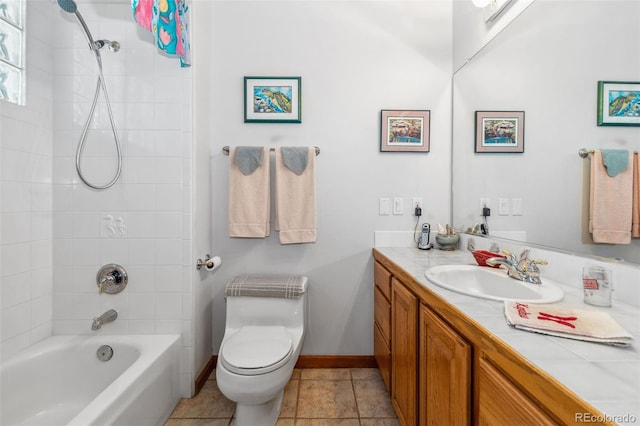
(265, 327)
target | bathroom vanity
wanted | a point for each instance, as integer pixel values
(448, 358)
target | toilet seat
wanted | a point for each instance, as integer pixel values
(255, 350)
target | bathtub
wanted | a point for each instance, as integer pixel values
(61, 381)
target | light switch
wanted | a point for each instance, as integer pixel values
(398, 205)
(503, 206)
(384, 206)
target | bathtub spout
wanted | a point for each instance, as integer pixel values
(108, 316)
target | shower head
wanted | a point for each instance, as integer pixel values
(68, 6)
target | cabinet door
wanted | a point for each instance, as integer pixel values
(404, 353)
(445, 373)
(500, 402)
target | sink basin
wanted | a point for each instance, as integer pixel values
(494, 284)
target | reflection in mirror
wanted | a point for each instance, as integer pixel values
(547, 63)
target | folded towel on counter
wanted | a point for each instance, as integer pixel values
(565, 321)
(615, 160)
(635, 222)
(283, 286)
(249, 197)
(168, 21)
(296, 200)
(610, 203)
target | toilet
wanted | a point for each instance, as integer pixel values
(265, 327)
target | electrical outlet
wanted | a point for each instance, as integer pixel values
(516, 204)
(417, 202)
(384, 206)
(484, 202)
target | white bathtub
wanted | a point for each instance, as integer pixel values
(60, 381)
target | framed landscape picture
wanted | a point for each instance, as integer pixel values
(272, 100)
(404, 130)
(499, 131)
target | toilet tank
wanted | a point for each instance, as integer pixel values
(249, 310)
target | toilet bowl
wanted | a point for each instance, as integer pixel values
(263, 338)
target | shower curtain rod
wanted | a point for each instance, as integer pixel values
(225, 150)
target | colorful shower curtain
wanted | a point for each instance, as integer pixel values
(168, 21)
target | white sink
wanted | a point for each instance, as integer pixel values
(494, 284)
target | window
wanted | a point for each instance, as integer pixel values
(12, 45)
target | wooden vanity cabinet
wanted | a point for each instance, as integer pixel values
(382, 322)
(500, 402)
(404, 354)
(445, 373)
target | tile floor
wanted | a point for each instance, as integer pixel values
(313, 397)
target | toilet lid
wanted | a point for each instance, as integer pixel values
(254, 350)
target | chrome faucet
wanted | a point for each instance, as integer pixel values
(523, 269)
(108, 316)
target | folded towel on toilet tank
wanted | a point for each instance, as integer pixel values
(283, 286)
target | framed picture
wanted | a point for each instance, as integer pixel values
(404, 130)
(499, 131)
(272, 100)
(618, 103)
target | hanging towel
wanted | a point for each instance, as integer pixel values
(610, 203)
(295, 198)
(168, 21)
(282, 286)
(615, 160)
(565, 321)
(249, 197)
(635, 222)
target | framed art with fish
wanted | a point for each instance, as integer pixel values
(272, 100)
(618, 103)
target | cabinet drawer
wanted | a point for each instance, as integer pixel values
(382, 314)
(382, 278)
(383, 356)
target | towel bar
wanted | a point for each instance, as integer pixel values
(225, 150)
(584, 152)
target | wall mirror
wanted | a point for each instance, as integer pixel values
(546, 62)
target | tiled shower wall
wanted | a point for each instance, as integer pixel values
(142, 222)
(56, 232)
(26, 198)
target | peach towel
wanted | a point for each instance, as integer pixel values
(296, 201)
(249, 199)
(635, 223)
(610, 203)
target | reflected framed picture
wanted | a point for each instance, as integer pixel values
(272, 100)
(404, 130)
(499, 131)
(618, 103)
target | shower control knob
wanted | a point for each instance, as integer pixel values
(111, 279)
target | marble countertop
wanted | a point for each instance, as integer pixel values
(607, 377)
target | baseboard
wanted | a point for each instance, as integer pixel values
(205, 373)
(304, 361)
(336, 361)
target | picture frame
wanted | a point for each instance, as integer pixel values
(272, 99)
(618, 103)
(499, 131)
(405, 130)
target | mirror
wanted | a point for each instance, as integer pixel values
(547, 62)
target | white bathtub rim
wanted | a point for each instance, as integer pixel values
(148, 356)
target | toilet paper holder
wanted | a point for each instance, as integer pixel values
(210, 263)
